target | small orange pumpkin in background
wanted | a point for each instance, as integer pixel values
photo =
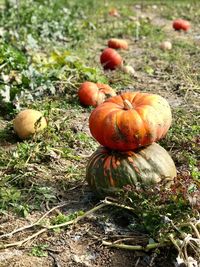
(93, 94)
(181, 24)
(117, 43)
(110, 59)
(114, 12)
(130, 120)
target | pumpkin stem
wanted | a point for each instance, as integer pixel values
(127, 104)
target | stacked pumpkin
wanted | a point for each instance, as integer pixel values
(127, 126)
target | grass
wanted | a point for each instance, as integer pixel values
(48, 52)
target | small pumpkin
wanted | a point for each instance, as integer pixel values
(114, 12)
(28, 122)
(93, 94)
(166, 45)
(130, 120)
(117, 43)
(128, 69)
(109, 171)
(110, 59)
(181, 24)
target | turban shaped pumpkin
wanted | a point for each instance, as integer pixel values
(108, 171)
(130, 120)
(93, 94)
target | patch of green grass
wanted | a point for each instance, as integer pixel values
(39, 250)
(183, 139)
(49, 48)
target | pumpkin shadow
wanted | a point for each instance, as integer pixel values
(7, 136)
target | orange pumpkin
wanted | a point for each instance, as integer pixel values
(110, 59)
(181, 24)
(93, 94)
(130, 120)
(114, 12)
(117, 43)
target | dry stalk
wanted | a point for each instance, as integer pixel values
(131, 247)
(51, 227)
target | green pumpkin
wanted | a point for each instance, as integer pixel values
(109, 171)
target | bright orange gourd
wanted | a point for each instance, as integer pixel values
(181, 24)
(114, 12)
(93, 94)
(110, 59)
(130, 120)
(117, 43)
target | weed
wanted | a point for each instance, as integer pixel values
(39, 251)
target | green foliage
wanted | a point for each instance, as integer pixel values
(61, 218)
(41, 21)
(47, 49)
(39, 251)
(158, 209)
(12, 57)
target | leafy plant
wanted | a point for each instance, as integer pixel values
(39, 250)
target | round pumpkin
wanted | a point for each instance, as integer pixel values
(128, 69)
(93, 94)
(181, 24)
(28, 122)
(117, 43)
(109, 171)
(110, 59)
(130, 120)
(166, 45)
(114, 12)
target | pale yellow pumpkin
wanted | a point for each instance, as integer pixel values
(29, 122)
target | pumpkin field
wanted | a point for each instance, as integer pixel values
(99, 133)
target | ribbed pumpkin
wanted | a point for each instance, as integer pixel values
(93, 94)
(130, 120)
(109, 171)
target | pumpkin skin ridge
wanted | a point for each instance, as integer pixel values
(139, 172)
(137, 98)
(105, 117)
(100, 153)
(105, 135)
(155, 105)
(150, 133)
(160, 159)
(137, 106)
(120, 132)
(122, 128)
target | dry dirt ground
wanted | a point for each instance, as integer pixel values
(78, 244)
